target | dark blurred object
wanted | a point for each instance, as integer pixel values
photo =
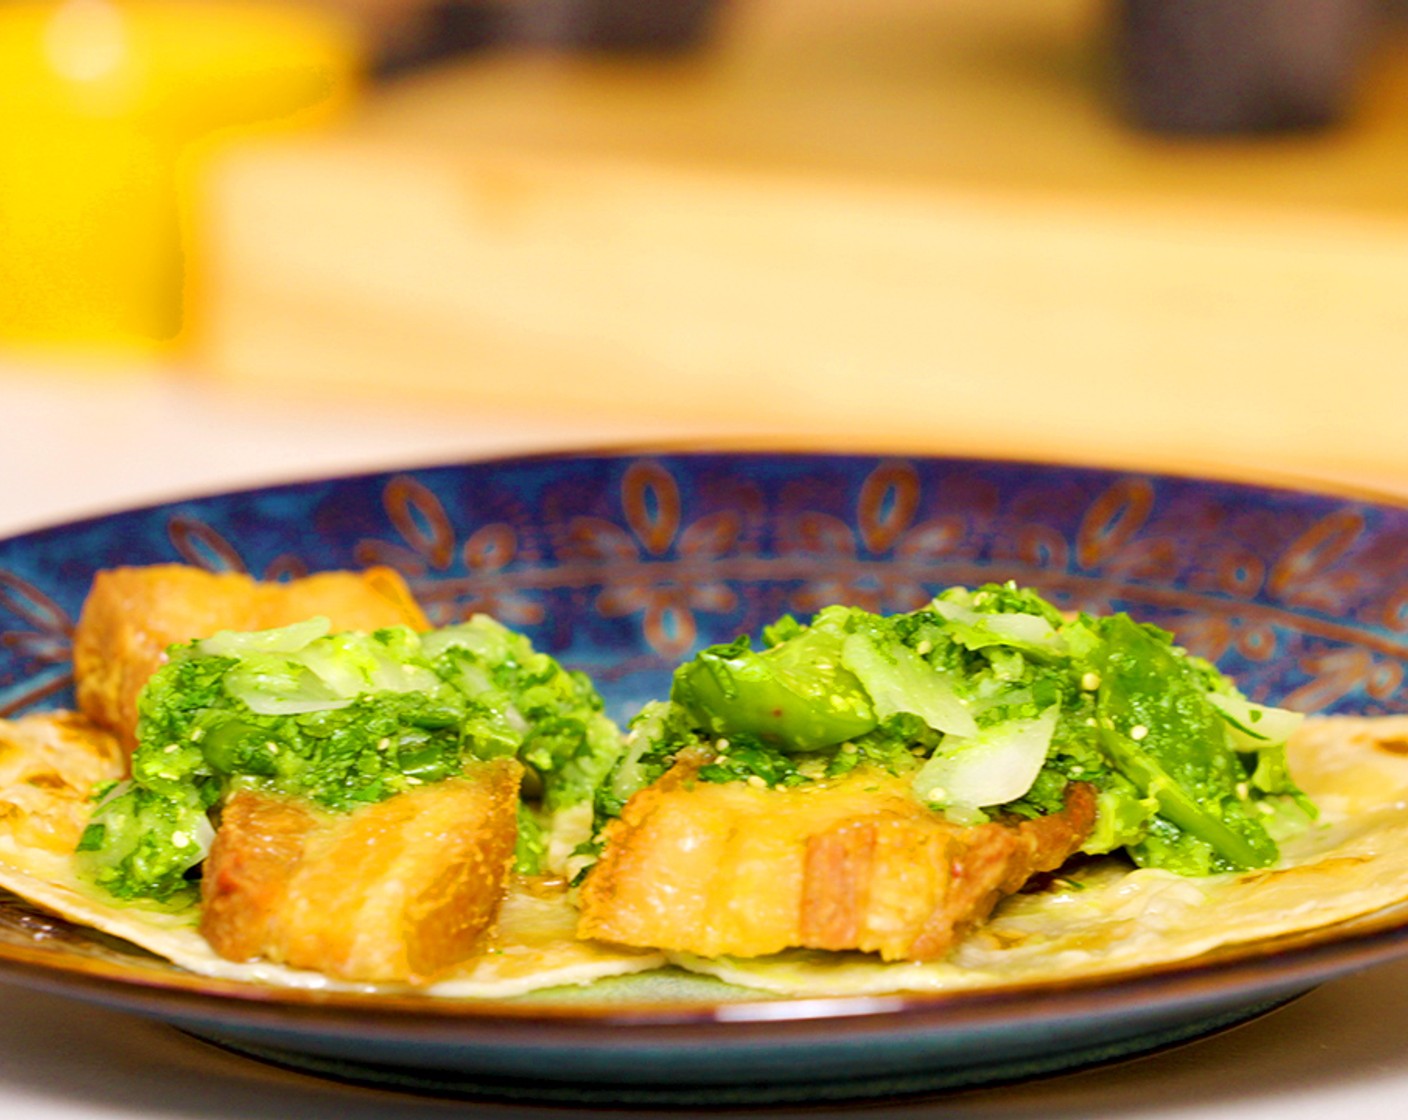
(631, 25)
(1240, 66)
(453, 27)
(440, 30)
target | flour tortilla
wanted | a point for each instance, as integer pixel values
(1104, 918)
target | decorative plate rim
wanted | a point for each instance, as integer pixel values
(1233, 474)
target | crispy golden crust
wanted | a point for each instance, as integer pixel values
(726, 869)
(132, 615)
(397, 891)
(247, 873)
(992, 861)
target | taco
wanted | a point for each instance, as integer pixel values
(372, 806)
(979, 793)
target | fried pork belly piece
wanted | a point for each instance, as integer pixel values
(132, 615)
(727, 869)
(49, 764)
(397, 891)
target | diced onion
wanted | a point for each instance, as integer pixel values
(996, 766)
(899, 680)
(1021, 628)
(285, 639)
(1253, 726)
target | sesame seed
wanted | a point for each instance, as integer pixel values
(1243, 791)
(1090, 682)
(1138, 732)
(924, 647)
(756, 781)
(848, 748)
(180, 839)
(721, 745)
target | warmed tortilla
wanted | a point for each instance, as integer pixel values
(1104, 918)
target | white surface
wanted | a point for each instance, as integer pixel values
(74, 444)
(72, 447)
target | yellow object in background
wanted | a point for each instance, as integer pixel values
(105, 107)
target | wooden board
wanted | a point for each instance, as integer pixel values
(896, 224)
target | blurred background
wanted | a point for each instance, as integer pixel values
(242, 239)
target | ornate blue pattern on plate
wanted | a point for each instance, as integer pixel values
(623, 564)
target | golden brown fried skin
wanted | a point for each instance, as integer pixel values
(132, 615)
(727, 869)
(247, 874)
(397, 891)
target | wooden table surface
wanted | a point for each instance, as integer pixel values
(897, 224)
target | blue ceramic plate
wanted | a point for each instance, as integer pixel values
(624, 564)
